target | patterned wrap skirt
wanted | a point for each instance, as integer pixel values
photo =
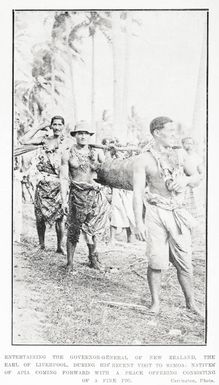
(48, 200)
(88, 211)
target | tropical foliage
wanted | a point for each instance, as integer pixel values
(45, 70)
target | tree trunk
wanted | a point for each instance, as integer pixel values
(126, 76)
(116, 40)
(199, 115)
(93, 83)
(74, 107)
(53, 83)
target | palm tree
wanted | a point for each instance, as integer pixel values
(96, 21)
(66, 39)
(92, 31)
(32, 73)
(22, 73)
(117, 97)
(122, 23)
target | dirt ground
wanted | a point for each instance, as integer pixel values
(51, 306)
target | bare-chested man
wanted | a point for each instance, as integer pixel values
(167, 171)
(86, 206)
(48, 201)
(194, 195)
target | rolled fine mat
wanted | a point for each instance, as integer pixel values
(117, 173)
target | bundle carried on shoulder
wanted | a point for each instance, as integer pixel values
(117, 173)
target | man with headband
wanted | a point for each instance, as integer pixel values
(48, 201)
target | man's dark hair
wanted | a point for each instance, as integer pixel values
(158, 123)
(59, 117)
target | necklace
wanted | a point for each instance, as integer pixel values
(85, 159)
(168, 165)
(53, 145)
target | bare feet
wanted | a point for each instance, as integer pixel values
(40, 249)
(194, 309)
(60, 250)
(95, 263)
(69, 267)
(154, 309)
(97, 266)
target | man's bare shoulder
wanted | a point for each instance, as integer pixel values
(100, 156)
(66, 153)
(66, 143)
(72, 147)
(144, 156)
(144, 159)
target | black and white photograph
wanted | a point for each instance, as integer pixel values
(109, 189)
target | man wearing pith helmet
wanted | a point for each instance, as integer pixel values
(86, 207)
